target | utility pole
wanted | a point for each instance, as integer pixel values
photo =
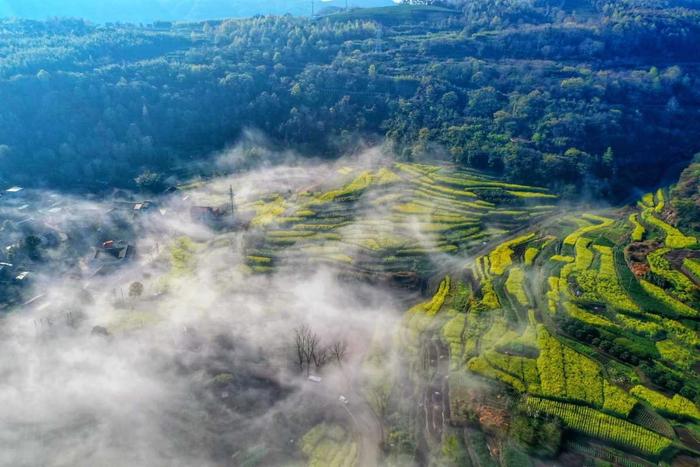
(312, 8)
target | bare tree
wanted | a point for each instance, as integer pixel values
(299, 343)
(338, 351)
(320, 356)
(307, 347)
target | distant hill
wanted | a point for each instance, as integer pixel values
(150, 10)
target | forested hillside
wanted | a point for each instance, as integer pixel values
(153, 10)
(580, 95)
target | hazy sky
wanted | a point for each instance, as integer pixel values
(149, 10)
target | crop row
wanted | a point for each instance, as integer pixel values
(600, 425)
(584, 256)
(329, 445)
(523, 368)
(677, 406)
(515, 285)
(674, 237)
(586, 317)
(692, 265)
(608, 285)
(481, 366)
(671, 303)
(566, 374)
(502, 256)
(574, 236)
(682, 286)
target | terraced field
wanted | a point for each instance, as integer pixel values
(591, 319)
(390, 221)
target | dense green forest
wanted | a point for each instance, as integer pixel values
(578, 95)
(150, 10)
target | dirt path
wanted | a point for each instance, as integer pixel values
(368, 431)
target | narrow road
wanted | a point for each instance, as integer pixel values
(368, 431)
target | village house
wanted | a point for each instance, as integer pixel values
(114, 251)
